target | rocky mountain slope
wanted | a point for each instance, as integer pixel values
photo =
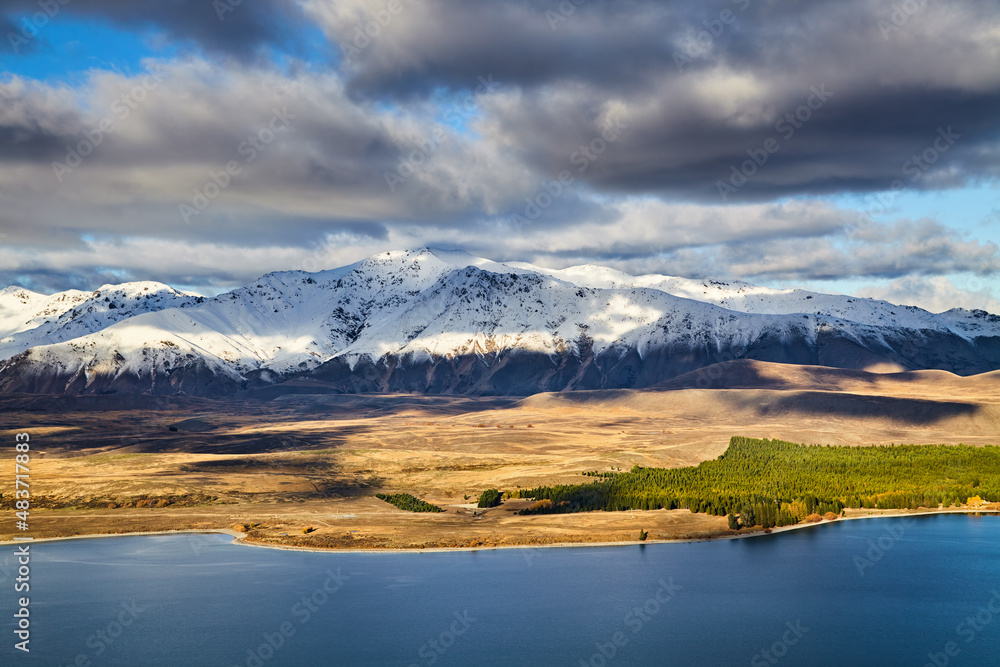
(446, 322)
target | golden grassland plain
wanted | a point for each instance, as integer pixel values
(312, 460)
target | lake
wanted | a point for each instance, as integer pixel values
(914, 591)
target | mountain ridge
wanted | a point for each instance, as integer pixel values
(438, 321)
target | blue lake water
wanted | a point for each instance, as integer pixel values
(875, 592)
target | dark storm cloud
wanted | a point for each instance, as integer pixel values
(854, 142)
(701, 88)
(630, 44)
(704, 83)
(695, 89)
(441, 44)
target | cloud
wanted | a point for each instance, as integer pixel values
(392, 140)
(325, 162)
(693, 118)
(936, 293)
(903, 248)
(537, 43)
(792, 241)
(433, 44)
(735, 137)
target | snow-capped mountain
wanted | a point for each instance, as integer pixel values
(445, 321)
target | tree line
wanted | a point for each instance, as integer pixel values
(490, 498)
(774, 483)
(405, 501)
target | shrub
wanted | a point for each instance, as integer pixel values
(545, 506)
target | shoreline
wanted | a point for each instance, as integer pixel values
(239, 538)
(147, 533)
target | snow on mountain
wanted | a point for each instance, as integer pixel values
(432, 320)
(28, 319)
(24, 310)
(747, 298)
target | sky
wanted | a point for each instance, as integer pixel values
(848, 147)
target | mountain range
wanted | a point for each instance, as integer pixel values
(438, 321)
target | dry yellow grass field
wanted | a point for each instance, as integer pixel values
(108, 464)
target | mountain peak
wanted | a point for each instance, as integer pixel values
(441, 320)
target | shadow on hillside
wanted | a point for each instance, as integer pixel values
(248, 443)
(322, 473)
(749, 374)
(815, 403)
(381, 405)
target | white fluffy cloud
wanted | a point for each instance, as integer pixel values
(938, 293)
